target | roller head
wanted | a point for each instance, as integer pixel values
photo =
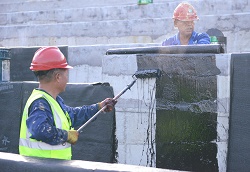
(148, 73)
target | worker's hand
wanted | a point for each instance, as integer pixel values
(72, 136)
(109, 103)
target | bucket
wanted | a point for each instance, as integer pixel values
(217, 37)
(221, 40)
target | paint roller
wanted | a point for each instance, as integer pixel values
(148, 73)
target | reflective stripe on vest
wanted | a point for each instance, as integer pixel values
(41, 145)
(62, 121)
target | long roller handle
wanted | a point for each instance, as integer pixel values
(104, 107)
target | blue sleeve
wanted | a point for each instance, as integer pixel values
(40, 124)
(203, 38)
(80, 115)
(166, 42)
(171, 41)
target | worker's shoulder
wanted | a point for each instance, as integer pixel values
(200, 34)
(170, 41)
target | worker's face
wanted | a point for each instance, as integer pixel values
(185, 27)
(62, 79)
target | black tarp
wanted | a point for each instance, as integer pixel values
(20, 60)
(239, 120)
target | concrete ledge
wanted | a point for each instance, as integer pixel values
(177, 49)
(14, 162)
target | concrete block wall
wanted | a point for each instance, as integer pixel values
(135, 111)
(117, 65)
(90, 63)
(75, 23)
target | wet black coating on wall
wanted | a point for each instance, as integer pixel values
(239, 119)
(96, 142)
(186, 117)
(183, 140)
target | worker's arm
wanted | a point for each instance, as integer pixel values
(170, 41)
(202, 38)
(80, 115)
(40, 124)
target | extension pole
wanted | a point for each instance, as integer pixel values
(104, 107)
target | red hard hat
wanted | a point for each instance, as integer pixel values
(185, 12)
(47, 58)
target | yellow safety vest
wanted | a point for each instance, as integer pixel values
(32, 147)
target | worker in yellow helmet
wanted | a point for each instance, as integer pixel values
(47, 126)
(184, 19)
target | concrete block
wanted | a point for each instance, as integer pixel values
(135, 100)
(121, 154)
(222, 156)
(86, 55)
(124, 65)
(120, 83)
(121, 128)
(132, 106)
(223, 62)
(223, 87)
(222, 128)
(140, 128)
(223, 106)
(140, 155)
(223, 94)
(146, 85)
(85, 74)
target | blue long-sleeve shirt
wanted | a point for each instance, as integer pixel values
(196, 38)
(40, 122)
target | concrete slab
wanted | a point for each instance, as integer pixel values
(14, 162)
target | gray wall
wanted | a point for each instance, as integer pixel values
(76, 23)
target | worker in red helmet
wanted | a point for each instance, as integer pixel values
(184, 19)
(47, 126)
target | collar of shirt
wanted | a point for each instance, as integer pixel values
(191, 40)
(58, 98)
